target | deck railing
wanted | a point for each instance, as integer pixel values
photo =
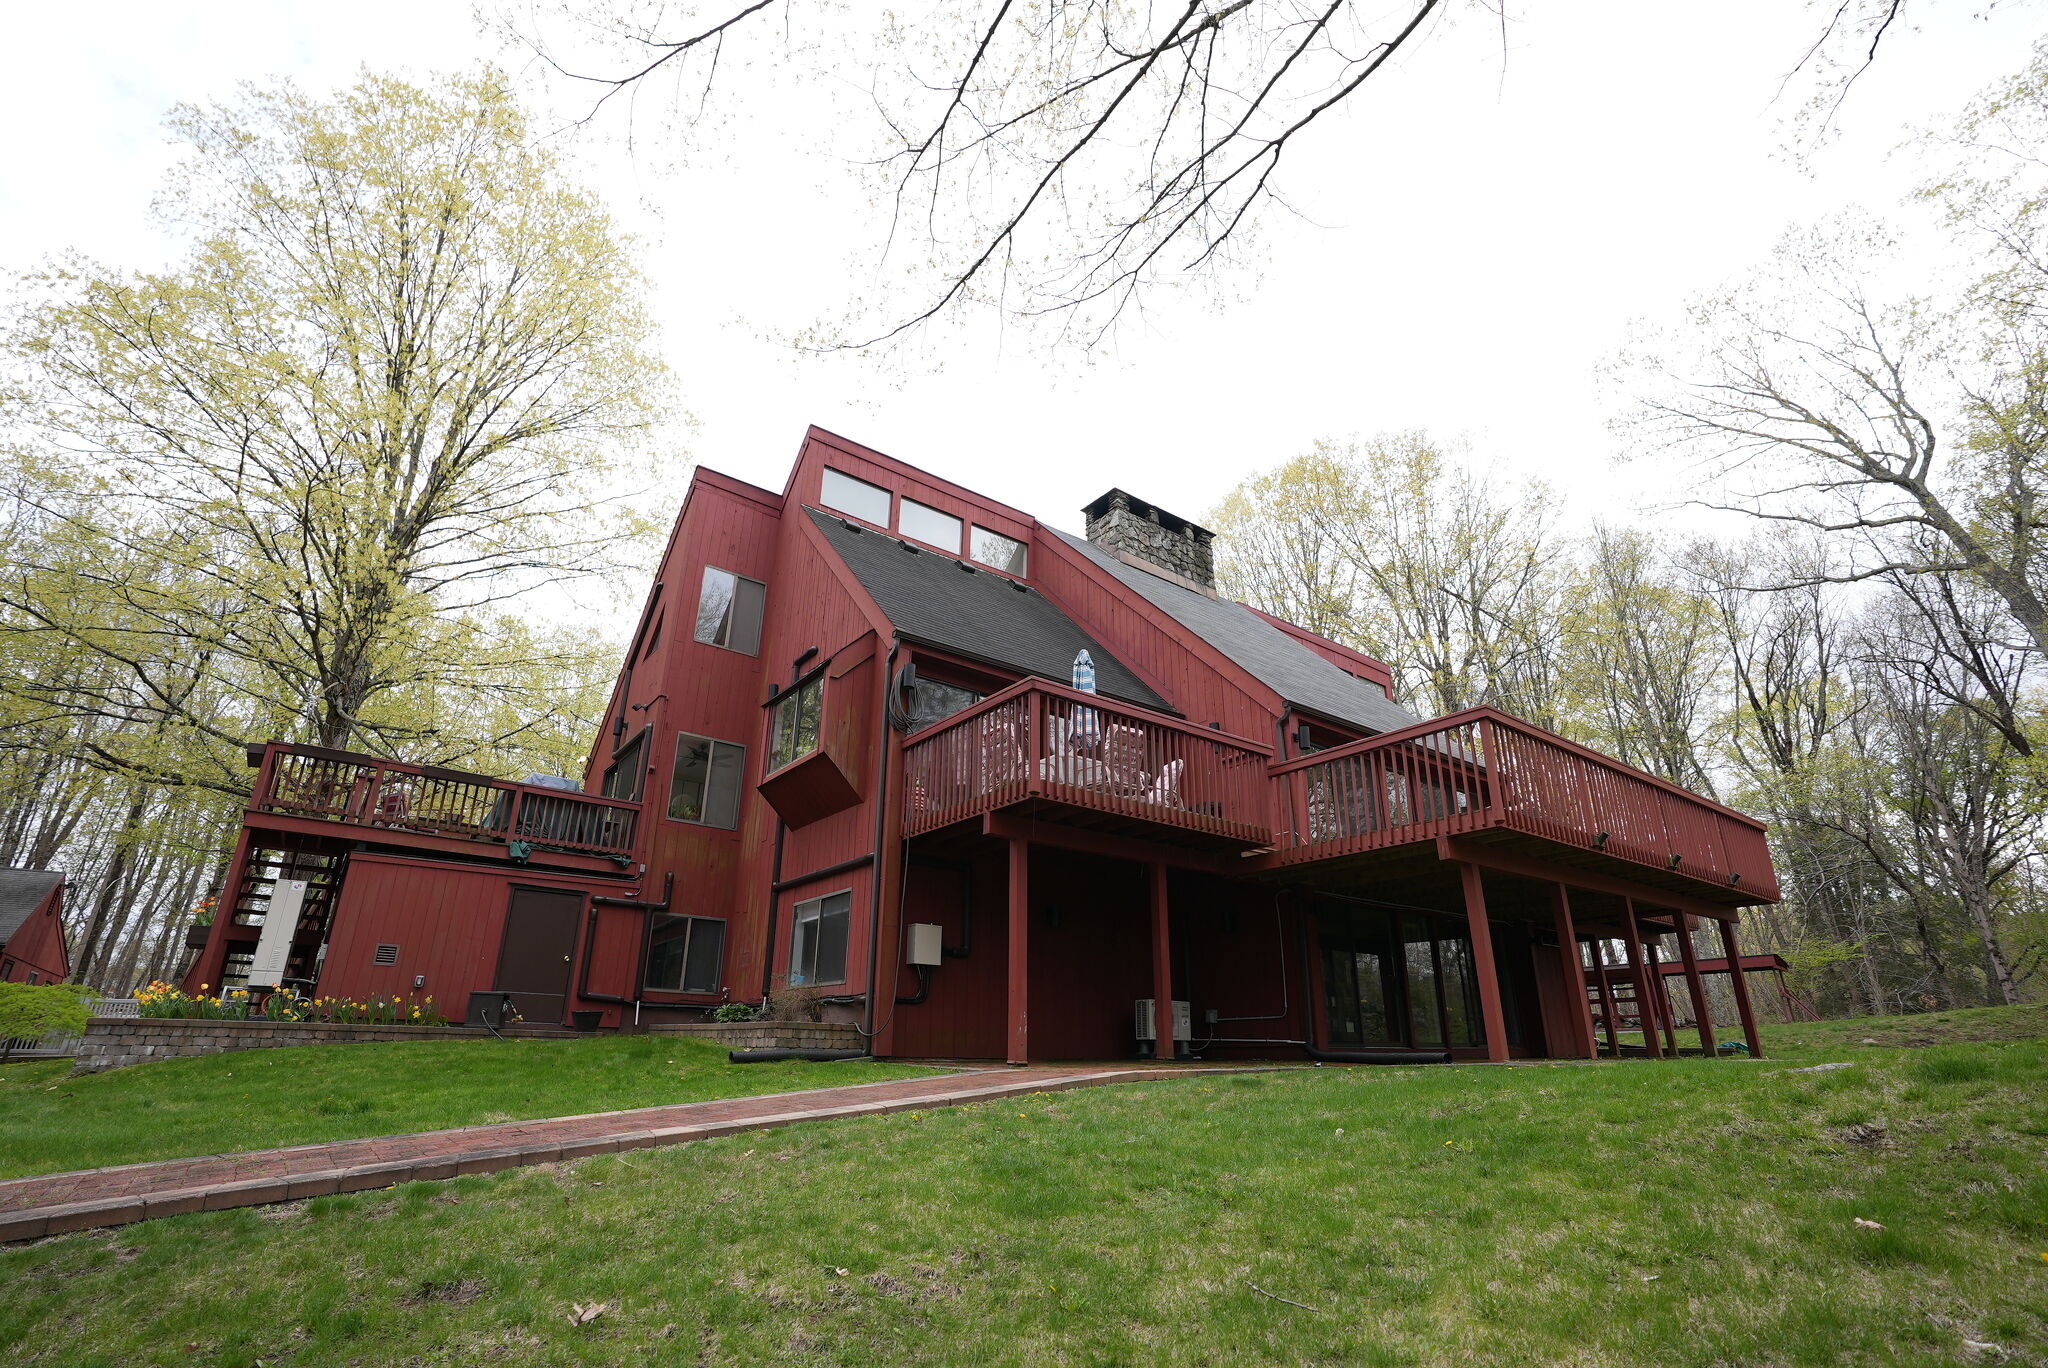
(1481, 768)
(1037, 740)
(362, 790)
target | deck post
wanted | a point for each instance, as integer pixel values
(1606, 996)
(1574, 973)
(1689, 956)
(1490, 1014)
(1660, 995)
(1646, 1011)
(1737, 981)
(1162, 966)
(1020, 951)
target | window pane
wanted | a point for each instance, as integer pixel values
(833, 919)
(622, 780)
(993, 548)
(744, 631)
(701, 970)
(809, 701)
(722, 800)
(1419, 952)
(856, 498)
(803, 945)
(687, 792)
(930, 701)
(1460, 989)
(930, 526)
(714, 603)
(666, 949)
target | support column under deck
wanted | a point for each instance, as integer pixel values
(1660, 995)
(1491, 1015)
(1574, 973)
(1607, 1012)
(1689, 957)
(1162, 965)
(1646, 1012)
(1019, 1033)
(1740, 984)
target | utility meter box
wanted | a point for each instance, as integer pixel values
(924, 943)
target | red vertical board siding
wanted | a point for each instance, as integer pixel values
(1241, 945)
(37, 945)
(448, 922)
(1164, 653)
(963, 1016)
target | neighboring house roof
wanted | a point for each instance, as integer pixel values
(21, 892)
(1268, 654)
(947, 603)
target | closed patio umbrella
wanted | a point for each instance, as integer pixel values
(1087, 726)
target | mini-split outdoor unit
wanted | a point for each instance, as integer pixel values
(1147, 1030)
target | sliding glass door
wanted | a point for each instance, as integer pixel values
(1397, 977)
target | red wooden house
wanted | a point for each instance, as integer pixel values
(844, 758)
(32, 946)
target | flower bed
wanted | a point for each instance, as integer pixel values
(164, 1002)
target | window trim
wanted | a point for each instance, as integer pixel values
(815, 679)
(889, 516)
(724, 930)
(1020, 543)
(961, 541)
(645, 734)
(738, 579)
(796, 922)
(675, 773)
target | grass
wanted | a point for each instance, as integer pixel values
(258, 1099)
(1694, 1212)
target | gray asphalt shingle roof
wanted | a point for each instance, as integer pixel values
(1268, 654)
(947, 603)
(21, 892)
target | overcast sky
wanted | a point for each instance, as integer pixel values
(1482, 237)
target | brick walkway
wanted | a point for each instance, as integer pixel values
(52, 1203)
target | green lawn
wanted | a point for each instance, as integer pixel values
(263, 1098)
(1697, 1212)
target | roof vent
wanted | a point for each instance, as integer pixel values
(386, 954)
(1135, 530)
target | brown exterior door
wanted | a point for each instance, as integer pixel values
(540, 941)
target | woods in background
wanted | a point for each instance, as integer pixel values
(327, 480)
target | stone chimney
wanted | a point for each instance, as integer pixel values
(1135, 531)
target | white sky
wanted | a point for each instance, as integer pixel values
(1486, 238)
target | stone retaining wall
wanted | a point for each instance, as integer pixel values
(770, 1035)
(116, 1042)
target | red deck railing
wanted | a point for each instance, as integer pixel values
(1481, 768)
(1037, 740)
(362, 790)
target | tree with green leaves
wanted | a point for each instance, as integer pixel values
(303, 484)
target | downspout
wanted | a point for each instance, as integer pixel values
(774, 900)
(888, 736)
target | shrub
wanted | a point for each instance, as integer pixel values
(33, 1011)
(737, 1011)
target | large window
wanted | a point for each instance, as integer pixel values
(622, 780)
(729, 611)
(706, 787)
(793, 722)
(855, 498)
(995, 549)
(685, 954)
(1396, 977)
(929, 526)
(932, 701)
(817, 950)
